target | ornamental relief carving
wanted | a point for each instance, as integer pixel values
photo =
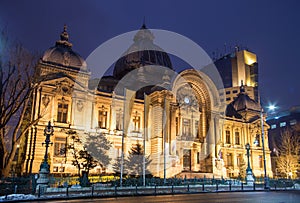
(79, 105)
(45, 100)
(63, 88)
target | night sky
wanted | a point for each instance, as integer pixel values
(271, 29)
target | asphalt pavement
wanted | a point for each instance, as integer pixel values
(230, 197)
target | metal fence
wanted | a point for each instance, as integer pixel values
(110, 186)
(14, 185)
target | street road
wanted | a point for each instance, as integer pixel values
(232, 197)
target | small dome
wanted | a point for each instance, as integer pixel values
(63, 55)
(151, 54)
(244, 102)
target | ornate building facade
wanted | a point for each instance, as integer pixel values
(183, 128)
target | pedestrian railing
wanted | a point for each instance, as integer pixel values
(69, 186)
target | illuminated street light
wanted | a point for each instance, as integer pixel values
(249, 177)
(272, 107)
(43, 180)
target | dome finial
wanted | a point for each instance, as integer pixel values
(242, 88)
(65, 27)
(144, 23)
(64, 38)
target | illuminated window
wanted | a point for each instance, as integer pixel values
(293, 122)
(60, 146)
(102, 118)
(227, 133)
(62, 113)
(136, 123)
(237, 138)
(282, 124)
(186, 130)
(229, 159)
(197, 128)
(273, 126)
(257, 140)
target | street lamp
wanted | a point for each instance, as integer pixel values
(43, 180)
(249, 174)
(266, 180)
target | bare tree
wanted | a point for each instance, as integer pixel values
(18, 82)
(288, 153)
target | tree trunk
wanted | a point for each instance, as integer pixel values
(6, 170)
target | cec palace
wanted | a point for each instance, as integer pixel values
(176, 116)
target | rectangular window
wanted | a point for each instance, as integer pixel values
(198, 157)
(186, 130)
(282, 124)
(237, 138)
(55, 169)
(228, 99)
(60, 146)
(293, 122)
(102, 119)
(227, 92)
(197, 128)
(227, 134)
(257, 140)
(234, 91)
(136, 123)
(229, 159)
(273, 126)
(62, 113)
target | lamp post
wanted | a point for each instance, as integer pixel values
(266, 180)
(249, 174)
(43, 180)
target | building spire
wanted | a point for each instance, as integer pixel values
(64, 38)
(242, 88)
(144, 23)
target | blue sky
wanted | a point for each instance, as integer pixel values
(271, 29)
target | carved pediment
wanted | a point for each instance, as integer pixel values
(63, 87)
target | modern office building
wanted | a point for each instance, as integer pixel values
(279, 122)
(237, 68)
